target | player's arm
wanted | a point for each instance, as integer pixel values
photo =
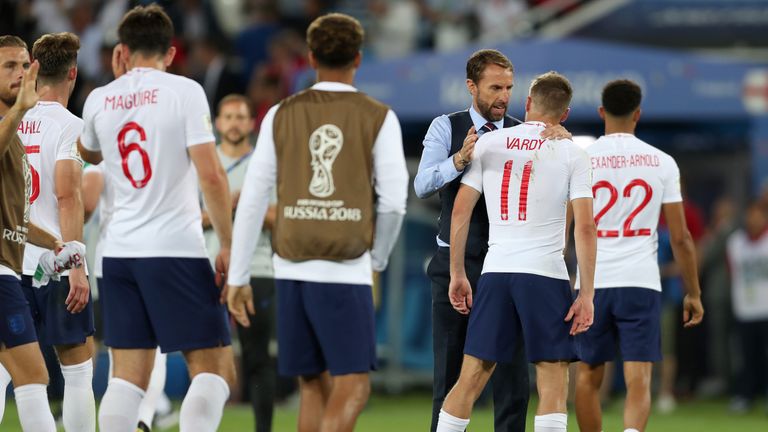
(585, 238)
(215, 188)
(92, 157)
(40, 237)
(684, 250)
(26, 99)
(93, 184)
(68, 175)
(460, 291)
(437, 167)
(269, 218)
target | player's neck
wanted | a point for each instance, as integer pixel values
(236, 150)
(619, 127)
(56, 93)
(344, 76)
(139, 61)
(535, 117)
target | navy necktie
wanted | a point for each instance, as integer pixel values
(488, 127)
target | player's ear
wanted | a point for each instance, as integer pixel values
(358, 59)
(565, 114)
(72, 73)
(168, 58)
(312, 60)
(636, 115)
(472, 87)
(528, 102)
(601, 112)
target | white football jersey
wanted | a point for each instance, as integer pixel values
(632, 180)
(527, 182)
(143, 123)
(748, 259)
(49, 133)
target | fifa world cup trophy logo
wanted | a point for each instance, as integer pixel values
(324, 145)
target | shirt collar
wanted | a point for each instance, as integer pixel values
(479, 121)
(333, 86)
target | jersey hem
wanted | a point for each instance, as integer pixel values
(526, 271)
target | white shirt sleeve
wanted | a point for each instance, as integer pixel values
(197, 116)
(672, 191)
(67, 145)
(390, 174)
(473, 174)
(88, 138)
(260, 179)
(581, 174)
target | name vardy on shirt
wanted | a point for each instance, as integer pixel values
(524, 144)
(131, 100)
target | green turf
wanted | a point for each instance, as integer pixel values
(411, 413)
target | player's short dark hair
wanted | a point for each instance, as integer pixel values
(479, 60)
(146, 29)
(335, 40)
(57, 54)
(552, 93)
(232, 98)
(10, 41)
(621, 97)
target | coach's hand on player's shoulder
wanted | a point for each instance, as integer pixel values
(463, 157)
(693, 311)
(79, 291)
(582, 312)
(556, 132)
(460, 294)
(240, 303)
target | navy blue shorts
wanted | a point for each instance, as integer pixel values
(18, 328)
(508, 306)
(324, 326)
(625, 318)
(54, 324)
(170, 302)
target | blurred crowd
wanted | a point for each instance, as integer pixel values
(257, 47)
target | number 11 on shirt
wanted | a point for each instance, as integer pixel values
(522, 213)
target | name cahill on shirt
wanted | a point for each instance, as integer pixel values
(620, 161)
(29, 127)
(131, 100)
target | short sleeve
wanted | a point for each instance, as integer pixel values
(197, 116)
(67, 148)
(672, 191)
(580, 185)
(473, 174)
(88, 138)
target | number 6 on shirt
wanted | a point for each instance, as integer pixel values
(126, 149)
(522, 212)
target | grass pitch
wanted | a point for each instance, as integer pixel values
(411, 413)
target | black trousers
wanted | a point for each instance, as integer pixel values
(449, 329)
(259, 377)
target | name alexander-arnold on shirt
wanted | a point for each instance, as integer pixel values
(622, 161)
(131, 100)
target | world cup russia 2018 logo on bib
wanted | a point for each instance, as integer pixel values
(324, 145)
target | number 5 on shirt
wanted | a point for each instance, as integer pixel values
(126, 149)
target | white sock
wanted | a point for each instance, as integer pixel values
(79, 407)
(119, 410)
(631, 430)
(203, 405)
(449, 423)
(149, 404)
(555, 422)
(34, 411)
(5, 379)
